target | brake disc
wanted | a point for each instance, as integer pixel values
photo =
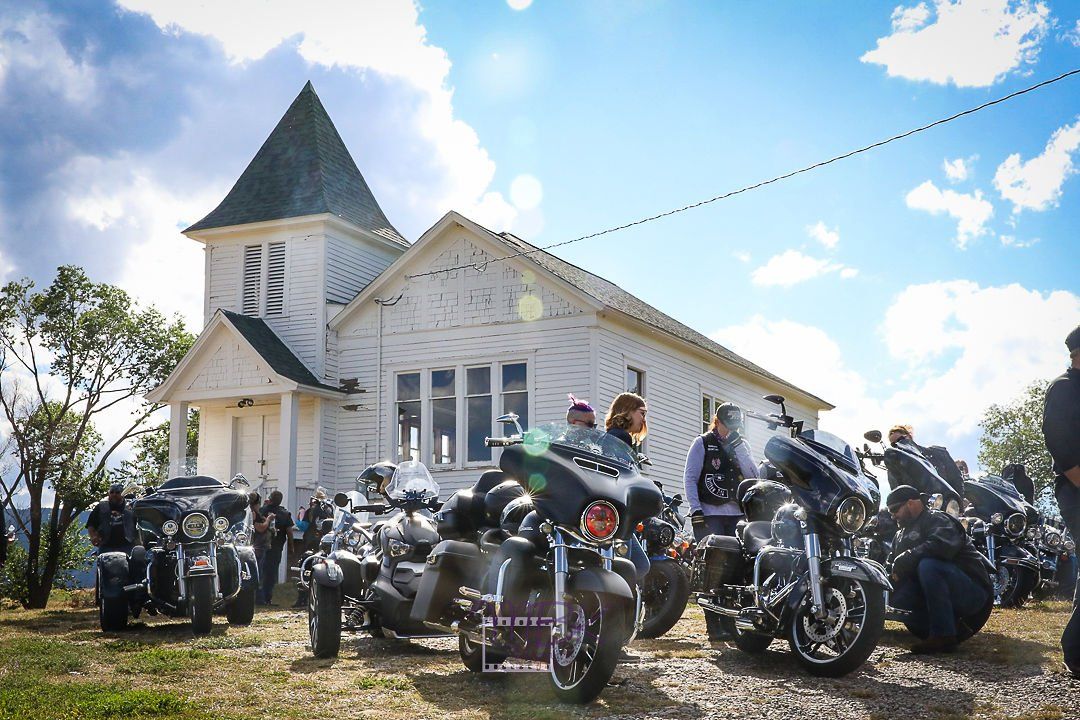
(827, 628)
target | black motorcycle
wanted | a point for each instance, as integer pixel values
(365, 576)
(790, 571)
(560, 593)
(997, 521)
(194, 557)
(907, 464)
(666, 588)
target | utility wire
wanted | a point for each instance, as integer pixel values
(763, 183)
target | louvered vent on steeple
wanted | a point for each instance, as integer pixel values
(252, 279)
(275, 279)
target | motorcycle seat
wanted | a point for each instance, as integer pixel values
(755, 535)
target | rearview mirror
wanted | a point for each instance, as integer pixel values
(777, 399)
(873, 436)
(372, 492)
(239, 479)
(507, 419)
(341, 500)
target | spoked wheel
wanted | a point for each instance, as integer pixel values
(663, 595)
(324, 620)
(1012, 584)
(839, 642)
(583, 660)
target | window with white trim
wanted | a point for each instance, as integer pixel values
(263, 291)
(444, 414)
(709, 404)
(635, 381)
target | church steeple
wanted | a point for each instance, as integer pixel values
(303, 168)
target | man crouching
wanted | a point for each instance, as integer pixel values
(939, 576)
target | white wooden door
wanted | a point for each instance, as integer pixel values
(255, 450)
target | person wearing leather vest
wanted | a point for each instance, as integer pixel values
(938, 574)
(715, 465)
(111, 523)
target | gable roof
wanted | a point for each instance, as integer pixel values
(303, 168)
(276, 353)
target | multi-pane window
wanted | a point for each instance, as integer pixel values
(478, 412)
(443, 417)
(708, 409)
(515, 395)
(635, 381)
(445, 414)
(408, 414)
(263, 291)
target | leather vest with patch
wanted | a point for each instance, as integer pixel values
(720, 473)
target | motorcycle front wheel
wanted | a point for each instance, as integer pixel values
(664, 594)
(324, 620)
(201, 604)
(839, 642)
(112, 611)
(1013, 584)
(584, 659)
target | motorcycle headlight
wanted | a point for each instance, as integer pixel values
(1032, 533)
(169, 527)
(221, 524)
(850, 515)
(953, 508)
(1070, 545)
(937, 501)
(1052, 539)
(996, 518)
(1015, 524)
(600, 521)
(398, 548)
(196, 525)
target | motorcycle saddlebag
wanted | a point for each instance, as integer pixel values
(719, 562)
(450, 565)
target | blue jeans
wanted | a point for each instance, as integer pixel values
(1068, 497)
(937, 595)
(714, 525)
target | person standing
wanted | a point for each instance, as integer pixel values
(625, 419)
(715, 465)
(580, 414)
(111, 523)
(260, 538)
(281, 524)
(1061, 431)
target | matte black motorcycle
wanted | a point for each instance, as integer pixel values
(908, 465)
(197, 555)
(365, 576)
(666, 588)
(998, 520)
(794, 575)
(561, 592)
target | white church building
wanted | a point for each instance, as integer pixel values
(329, 343)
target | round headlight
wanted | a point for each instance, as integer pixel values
(937, 501)
(1070, 545)
(169, 527)
(953, 508)
(850, 515)
(1052, 539)
(196, 525)
(599, 521)
(1015, 524)
(996, 518)
(1032, 532)
(221, 524)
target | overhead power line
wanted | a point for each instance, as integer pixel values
(763, 183)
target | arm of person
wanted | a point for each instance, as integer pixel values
(943, 540)
(261, 525)
(1073, 475)
(694, 458)
(745, 459)
(1060, 432)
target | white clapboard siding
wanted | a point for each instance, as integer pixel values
(306, 461)
(350, 265)
(674, 382)
(303, 328)
(223, 283)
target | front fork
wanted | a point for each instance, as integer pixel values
(812, 547)
(562, 575)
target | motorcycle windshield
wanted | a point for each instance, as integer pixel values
(412, 482)
(990, 495)
(817, 481)
(179, 496)
(591, 440)
(831, 446)
(907, 466)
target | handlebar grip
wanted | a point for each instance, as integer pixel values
(377, 509)
(498, 442)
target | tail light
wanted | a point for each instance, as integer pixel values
(600, 521)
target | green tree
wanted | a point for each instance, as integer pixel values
(74, 556)
(150, 461)
(1012, 433)
(69, 353)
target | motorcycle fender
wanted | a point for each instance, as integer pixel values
(249, 564)
(200, 572)
(327, 573)
(114, 574)
(1017, 556)
(856, 569)
(600, 581)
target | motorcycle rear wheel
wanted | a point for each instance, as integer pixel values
(112, 611)
(241, 610)
(664, 594)
(201, 604)
(324, 620)
(583, 662)
(849, 634)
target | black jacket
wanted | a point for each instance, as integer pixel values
(623, 435)
(283, 524)
(117, 527)
(1061, 420)
(938, 535)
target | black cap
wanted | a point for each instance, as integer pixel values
(1072, 340)
(117, 487)
(901, 495)
(731, 415)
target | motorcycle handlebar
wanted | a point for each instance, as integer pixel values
(501, 441)
(377, 509)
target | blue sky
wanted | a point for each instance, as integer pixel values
(896, 286)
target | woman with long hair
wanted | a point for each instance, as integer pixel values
(626, 418)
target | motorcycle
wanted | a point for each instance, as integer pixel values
(1053, 547)
(560, 592)
(907, 465)
(666, 588)
(365, 576)
(790, 572)
(194, 558)
(998, 520)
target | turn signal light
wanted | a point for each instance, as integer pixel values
(640, 527)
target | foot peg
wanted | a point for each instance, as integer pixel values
(133, 588)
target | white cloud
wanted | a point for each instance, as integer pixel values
(958, 169)
(829, 238)
(6, 268)
(961, 347)
(742, 256)
(971, 211)
(1036, 184)
(792, 267)
(32, 43)
(1012, 241)
(519, 4)
(384, 37)
(526, 192)
(970, 43)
